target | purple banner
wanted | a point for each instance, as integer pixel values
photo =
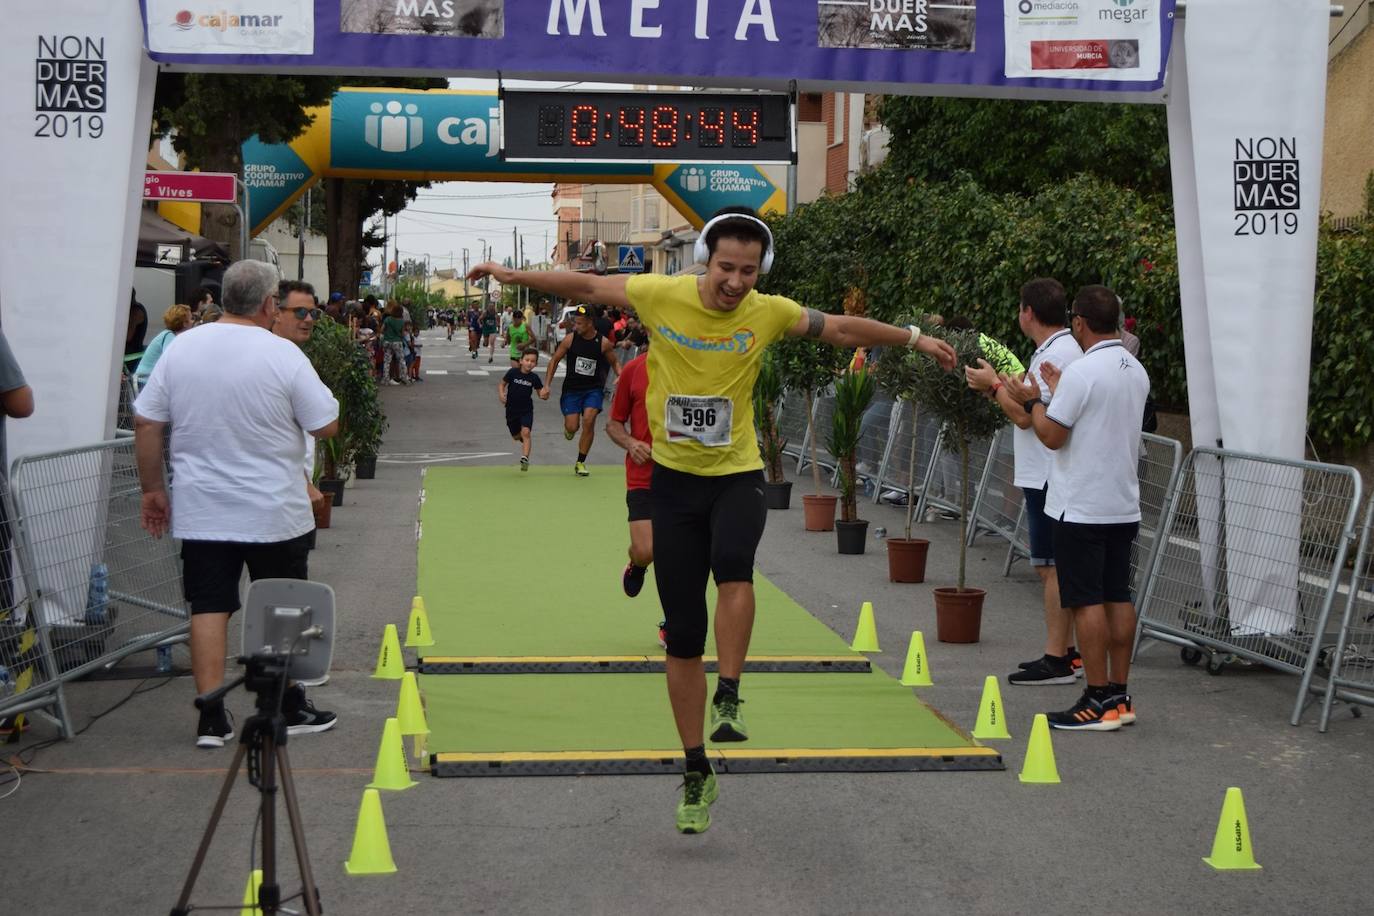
(1109, 48)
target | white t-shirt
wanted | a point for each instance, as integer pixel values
(1101, 399)
(237, 398)
(1032, 459)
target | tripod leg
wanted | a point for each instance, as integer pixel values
(269, 895)
(209, 835)
(293, 816)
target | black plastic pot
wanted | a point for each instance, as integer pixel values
(851, 535)
(334, 488)
(365, 467)
(778, 495)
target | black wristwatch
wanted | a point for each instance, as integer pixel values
(1029, 405)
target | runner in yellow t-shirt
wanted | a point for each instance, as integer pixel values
(709, 333)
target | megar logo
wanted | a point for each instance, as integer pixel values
(392, 131)
(223, 21)
(1126, 11)
(741, 342)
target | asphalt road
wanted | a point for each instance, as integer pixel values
(108, 823)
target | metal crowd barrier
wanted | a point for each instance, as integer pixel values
(1251, 554)
(819, 429)
(1350, 663)
(944, 479)
(997, 506)
(793, 423)
(99, 588)
(902, 453)
(29, 679)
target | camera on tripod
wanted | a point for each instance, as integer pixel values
(288, 634)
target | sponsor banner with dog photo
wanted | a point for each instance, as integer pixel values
(912, 25)
(449, 18)
(234, 27)
(1098, 39)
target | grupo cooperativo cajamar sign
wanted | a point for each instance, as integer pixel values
(991, 47)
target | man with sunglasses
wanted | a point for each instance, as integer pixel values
(297, 312)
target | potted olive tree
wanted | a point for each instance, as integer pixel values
(807, 367)
(967, 417)
(854, 391)
(767, 393)
(344, 368)
(906, 555)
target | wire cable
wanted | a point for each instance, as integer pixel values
(32, 749)
(1348, 19)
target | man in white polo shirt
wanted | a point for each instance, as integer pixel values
(237, 398)
(1092, 425)
(1042, 313)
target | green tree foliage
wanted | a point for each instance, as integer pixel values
(211, 115)
(1020, 147)
(1340, 404)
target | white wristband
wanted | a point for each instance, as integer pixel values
(915, 335)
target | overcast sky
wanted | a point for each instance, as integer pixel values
(450, 216)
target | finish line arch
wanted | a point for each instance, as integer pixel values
(1255, 70)
(453, 135)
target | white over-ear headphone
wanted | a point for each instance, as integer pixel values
(702, 254)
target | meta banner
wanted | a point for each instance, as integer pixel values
(1033, 48)
(440, 135)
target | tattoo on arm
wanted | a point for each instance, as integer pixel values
(815, 323)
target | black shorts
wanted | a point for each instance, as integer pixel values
(640, 504)
(1039, 527)
(515, 421)
(210, 570)
(1093, 562)
(702, 526)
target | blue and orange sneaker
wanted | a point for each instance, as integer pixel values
(1125, 709)
(1087, 715)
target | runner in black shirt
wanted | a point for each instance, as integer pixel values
(516, 391)
(589, 354)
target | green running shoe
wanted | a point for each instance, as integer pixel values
(694, 811)
(580, 469)
(726, 722)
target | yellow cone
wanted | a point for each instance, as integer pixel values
(992, 718)
(392, 770)
(390, 664)
(250, 894)
(917, 670)
(1038, 766)
(1231, 850)
(417, 631)
(866, 633)
(371, 849)
(410, 712)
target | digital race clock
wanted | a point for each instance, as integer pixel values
(597, 126)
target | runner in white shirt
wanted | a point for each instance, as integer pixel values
(237, 398)
(1093, 426)
(1041, 315)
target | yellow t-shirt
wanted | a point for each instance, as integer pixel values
(702, 367)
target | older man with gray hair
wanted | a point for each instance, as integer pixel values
(237, 398)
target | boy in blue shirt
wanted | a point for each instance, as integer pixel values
(516, 391)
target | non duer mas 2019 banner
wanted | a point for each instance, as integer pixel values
(993, 47)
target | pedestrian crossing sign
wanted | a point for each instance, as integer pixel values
(631, 259)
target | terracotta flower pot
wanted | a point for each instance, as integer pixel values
(906, 560)
(820, 512)
(958, 614)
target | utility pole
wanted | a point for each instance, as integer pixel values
(465, 278)
(300, 235)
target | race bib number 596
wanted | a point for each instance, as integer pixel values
(704, 419)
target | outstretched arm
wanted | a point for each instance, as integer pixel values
(848, 331)
(609, 291)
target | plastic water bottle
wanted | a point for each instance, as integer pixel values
(879, 532)
(98, 596)
(164, 659)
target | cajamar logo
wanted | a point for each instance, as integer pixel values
(740, 342)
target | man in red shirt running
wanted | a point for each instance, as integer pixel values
(637, 441)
